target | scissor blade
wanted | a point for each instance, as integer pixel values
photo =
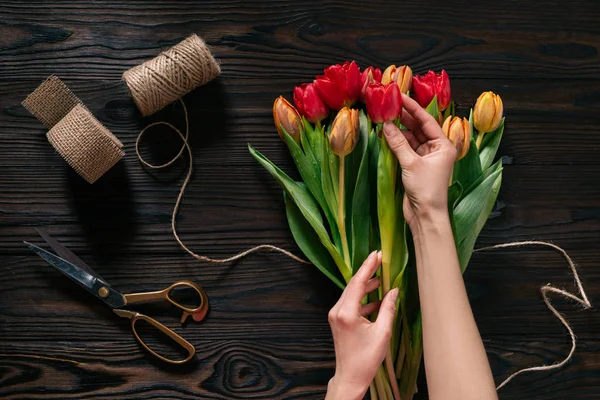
(66, 254)
(96, 286)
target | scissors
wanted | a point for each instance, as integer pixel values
(82, 274)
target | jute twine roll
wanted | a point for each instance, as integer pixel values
(87, 146)
(172, 74)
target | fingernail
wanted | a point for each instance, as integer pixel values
(379, 254)
(394, 295)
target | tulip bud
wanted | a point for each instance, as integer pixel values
(340, 85)
(487, 113)
(458, 131)
(426, 87)
(384, 103)
(309, 103)
(369, 76)
(287, 117)
(344, 132)
(402, 76)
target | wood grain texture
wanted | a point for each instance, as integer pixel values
(267, 335)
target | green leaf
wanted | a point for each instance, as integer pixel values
(471, 213)
(307, 241)
(373, 150)
(308, 207)
(353, 162)
(315, 138)
(386, 205)
(307, 165)
(455, 192)
(330, 192)
(432, 108)
(489, 146)
(468, 169)
(310, 171)
(400, 249)
(361, 205)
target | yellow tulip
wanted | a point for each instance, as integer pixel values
(401, 75)
(344, 132)
(487, 114)
(288, 118)
(458, 131)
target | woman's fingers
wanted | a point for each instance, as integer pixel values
(372, 284)
(427, 124)
(370, 308)
(357, 287)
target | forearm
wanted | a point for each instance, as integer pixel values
(455, 360)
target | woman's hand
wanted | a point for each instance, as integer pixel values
(426, 158)
(360, 345)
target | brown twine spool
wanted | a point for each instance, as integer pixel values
(172, 74)
(85, 144)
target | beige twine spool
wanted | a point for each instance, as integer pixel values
(85, 144)
(172, 74)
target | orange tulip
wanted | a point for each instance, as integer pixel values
(402, 76)
(458, 131)
(344, 132)
(287, 118)
(487, 114)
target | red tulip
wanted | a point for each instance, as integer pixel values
(340, 86)
(384, 103)
(369, 75)
(429, 85)
(309, 103)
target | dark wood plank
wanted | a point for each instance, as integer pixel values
(267, 334)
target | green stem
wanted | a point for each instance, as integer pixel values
(373, 390)
(342, 213)
(414, 372)
(318, 125)
(389, 365)
(400, 359)
(479, 139)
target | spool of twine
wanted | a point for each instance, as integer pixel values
(85, 144)
(171, 75)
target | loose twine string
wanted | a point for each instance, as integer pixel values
(186, 146)
(546, 290)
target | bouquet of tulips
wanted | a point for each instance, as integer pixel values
(349, 199)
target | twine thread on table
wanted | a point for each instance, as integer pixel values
(170, 75)
(546, 290)
(186, 181)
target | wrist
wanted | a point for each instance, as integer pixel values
(429, 220)
(339, 389)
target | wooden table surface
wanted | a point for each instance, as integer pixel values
(267, 334)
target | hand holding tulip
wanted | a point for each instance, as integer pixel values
(426, 157)
(360, 345)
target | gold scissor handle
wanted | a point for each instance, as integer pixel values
(135, 317)
(197, 313)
